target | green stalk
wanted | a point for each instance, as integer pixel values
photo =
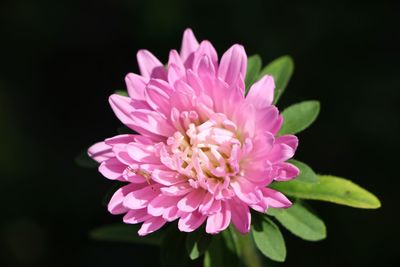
(247, 249)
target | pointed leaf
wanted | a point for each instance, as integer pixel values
(254, 64)
(197, 243)
(125, 233)
(269, 239)
(307, 175)
(299, 116)
(281, 69)
(332, 189)
(300, 221)
(121, 92)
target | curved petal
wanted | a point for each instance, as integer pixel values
(289, 139)
(191, 221)
(189, 44)
(233, 64)
(268, 119)
(139, 198)
(115, 205)
(261, 93)
(177, 190)
(219, 221)
(280, 152)
(112, 169)
(136, 216)
(285, 171)
(135, 85)
(151, 225)
(122, 139)
(100, 152)
(160, 204)
(241, 216)
(191, 201)
(208, 50)
(158, 96)
(275, 199)
(245, 190)
(152, 122)
(142, 153)
(167, 178)
(150, 66)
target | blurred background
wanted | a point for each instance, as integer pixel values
(60, 60)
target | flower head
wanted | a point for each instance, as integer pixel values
(203, 152)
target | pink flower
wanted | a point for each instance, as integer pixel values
(204, 152)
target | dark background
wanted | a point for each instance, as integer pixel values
(59, 61)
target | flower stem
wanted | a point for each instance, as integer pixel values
(248, 251)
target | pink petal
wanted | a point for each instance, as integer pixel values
(142, 153)
(177, 190)
(135, 119)
(115, 205)
(219, 221)
(121, 139)
(233, 64)
(150, 66)
(189, 44)
(158, 96)
(206, 204)
(100, 152)
(191, 201)
(280, 152)
(245, 190)
(122, 108)
(176, 69)
(136, 85)
(290, 140)
(286, 171)
(167, 178)
(262, 146)
(151, 225)
(204, 67)
(152, 122)
(275, 199)
(112, 169)
(136, 216)
(191, 221)
(241, 216)
(160, 204)
(171, 214)
(261, 93)
(206, 49)
(139, 199)
(269, 120)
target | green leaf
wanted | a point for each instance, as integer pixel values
(83, 160)
(221, 252)
(269, 239)
(299, 116)
(125, 233)
(307, 175)
(254, 64)
(300, 221)
(173, 251)
(281, 69)
(332, 189)
(121, 92)
(197, 243)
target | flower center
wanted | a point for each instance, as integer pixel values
(206, 153)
